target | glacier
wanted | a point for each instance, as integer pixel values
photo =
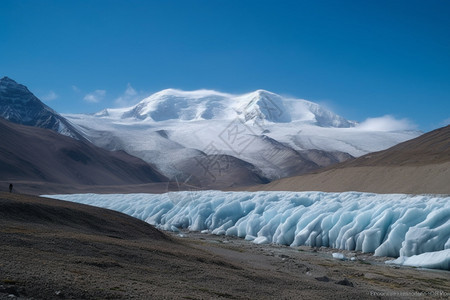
(413, 228)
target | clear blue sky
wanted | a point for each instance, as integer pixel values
(361, 58)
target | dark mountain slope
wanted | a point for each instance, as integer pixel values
(19, 105)
(35, 154)
(218, 172)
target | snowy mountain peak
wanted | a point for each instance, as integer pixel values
(261, 92)
(9, 86)
(263, 105)
(176, 104)
(19, 105)
(6, 80)
(257, 106)
(196, 94)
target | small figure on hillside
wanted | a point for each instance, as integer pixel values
(10, 187)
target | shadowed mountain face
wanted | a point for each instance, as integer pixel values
(420, 165)
(35, 154)
(19, 105)
(219, 171)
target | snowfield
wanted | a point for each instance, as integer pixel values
(416, 229)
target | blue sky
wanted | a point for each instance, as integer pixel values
(361, 58)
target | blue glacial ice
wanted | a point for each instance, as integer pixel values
(414, 228)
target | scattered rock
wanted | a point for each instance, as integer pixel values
(10, 290)
(345, 281)
(323, 279)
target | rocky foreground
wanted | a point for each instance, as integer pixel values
(52, 249)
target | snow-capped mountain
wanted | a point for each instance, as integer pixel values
(199, 105)
(279, 136)
(19, 105)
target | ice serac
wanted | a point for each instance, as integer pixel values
(430, 260)
(19, 105)
(414, 228)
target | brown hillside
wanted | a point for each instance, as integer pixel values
(39, 155)
(430, 148)
(420, 165)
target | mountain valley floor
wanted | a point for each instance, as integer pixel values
(54, 249)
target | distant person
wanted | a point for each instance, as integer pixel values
(10, 187)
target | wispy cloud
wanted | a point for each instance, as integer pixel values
(95, 97)
(129, 97)
(445, 122)
(50, 96)
(76, 89)
(386, 123)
